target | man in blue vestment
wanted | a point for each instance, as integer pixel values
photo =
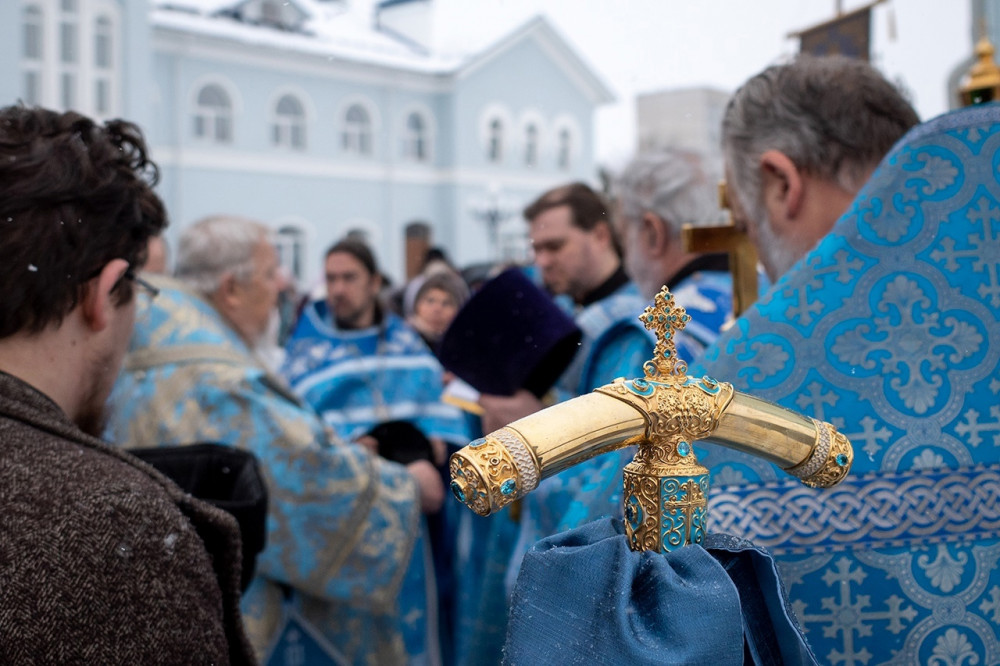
(342, 523)
(888, 329)
(373, 380)
(656, 195)
(361, 366)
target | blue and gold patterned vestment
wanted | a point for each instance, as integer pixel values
(342, 524)
(357, 379)
(890, 330)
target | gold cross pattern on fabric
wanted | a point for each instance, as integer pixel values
(662, 413)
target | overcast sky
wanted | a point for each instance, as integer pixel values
(639, 46)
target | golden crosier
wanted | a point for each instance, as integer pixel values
(662, 413)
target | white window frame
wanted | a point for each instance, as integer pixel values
(285, 126)
(33, 65)
(76, 81)
(290, 244)
(531, 149)
(358, 139)
(105, 76)
(208, 117)
(495, 144)
(564, 149)
(567, 126)
(68, 65)
(356, 133)
(410, 139)
(531, 141)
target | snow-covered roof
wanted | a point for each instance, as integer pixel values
(559, 50)
(332, 29)
(346, 30)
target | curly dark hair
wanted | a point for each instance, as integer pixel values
(73, 196)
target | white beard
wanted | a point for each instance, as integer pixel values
(266, 347)
(776, 253)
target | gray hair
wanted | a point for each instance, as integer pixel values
(217, 246)
(834, 117)
(671, 183)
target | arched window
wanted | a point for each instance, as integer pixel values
(531, 145)
(565, 149)
(494, 150)
(289, 128)
(415, 138)
(356, 136)
(32, 54)
(213, 116)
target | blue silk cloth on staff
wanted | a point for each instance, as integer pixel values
(584, 597)
(890, 330)
(342, 525)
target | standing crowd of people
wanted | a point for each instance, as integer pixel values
(105, 560)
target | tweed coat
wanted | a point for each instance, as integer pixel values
(102, 559)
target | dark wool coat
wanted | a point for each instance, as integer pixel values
(102, 559)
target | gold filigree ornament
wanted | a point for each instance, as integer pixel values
(666, 489)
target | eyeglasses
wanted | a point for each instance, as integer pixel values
(150, 290)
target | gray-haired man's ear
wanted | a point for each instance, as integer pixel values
(654, 234)
(782, 189)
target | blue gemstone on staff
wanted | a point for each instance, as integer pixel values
(508, 487)
(457, 491)
(842, 459)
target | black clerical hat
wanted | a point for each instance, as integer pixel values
(509, 335)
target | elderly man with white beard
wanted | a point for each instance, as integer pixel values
(342, 523)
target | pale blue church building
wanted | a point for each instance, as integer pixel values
(321, 117)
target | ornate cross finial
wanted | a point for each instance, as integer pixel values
(665, 318)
